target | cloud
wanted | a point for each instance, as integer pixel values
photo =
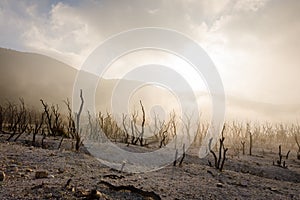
(254, 43)
(261, 47)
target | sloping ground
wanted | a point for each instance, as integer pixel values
(73, 175)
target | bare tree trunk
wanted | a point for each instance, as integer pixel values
(78, 135)
(219, 162)
(143, 125)
(298, 153)
(1, 118)
(183, 156)
(250, 144)
(243, 146)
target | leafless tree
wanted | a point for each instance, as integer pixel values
(298, 152)
(13, 119)
(295, 130)
(125, 127)
(36, 124)
(53, 119)
(280, 162)
(71, 129)
(18, 119)
(140, 133)
(219, 161)
(202, 129)
(25, 120)
(187, 124)
(250, 139)
(78, 138)
(2, 114)
(163, 134)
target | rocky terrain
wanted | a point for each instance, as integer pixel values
(29, 172)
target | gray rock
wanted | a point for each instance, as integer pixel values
(41, 174)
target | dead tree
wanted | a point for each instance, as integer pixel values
(250, 139)
(219, 161)
(187, 125)
(25, 120)
(126, 140)
(18, 119)
(48, 116)
(160, 131)
(53, 119)
(202, 129)
(183, 156)
(58, 126)
(280, 162)
(140, 133)
(1, 118)
(78, 138)
(13, 119)
(44, 134)
(132, 122)
(71, 129)
(163, 134)
(298, 152)
(295, 130)
(243, 147)
(36, 125)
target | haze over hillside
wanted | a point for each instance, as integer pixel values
(34, 76)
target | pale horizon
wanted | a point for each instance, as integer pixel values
(253, 44)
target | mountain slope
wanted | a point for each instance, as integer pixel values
(33, 76)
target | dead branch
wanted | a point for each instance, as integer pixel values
(219, 161)
(132, 189)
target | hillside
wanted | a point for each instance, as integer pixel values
(33, 76)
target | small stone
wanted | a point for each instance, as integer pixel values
(29, 170)
(41, 174)
(219, 185)
(14, 168)
(61, 170)
(49, 195)
(273, 189)
(95, 194)
(2, 176)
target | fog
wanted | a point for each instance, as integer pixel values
(254, 44)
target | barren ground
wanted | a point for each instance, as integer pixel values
(72, 175)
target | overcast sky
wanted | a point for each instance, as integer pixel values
(254, 43)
